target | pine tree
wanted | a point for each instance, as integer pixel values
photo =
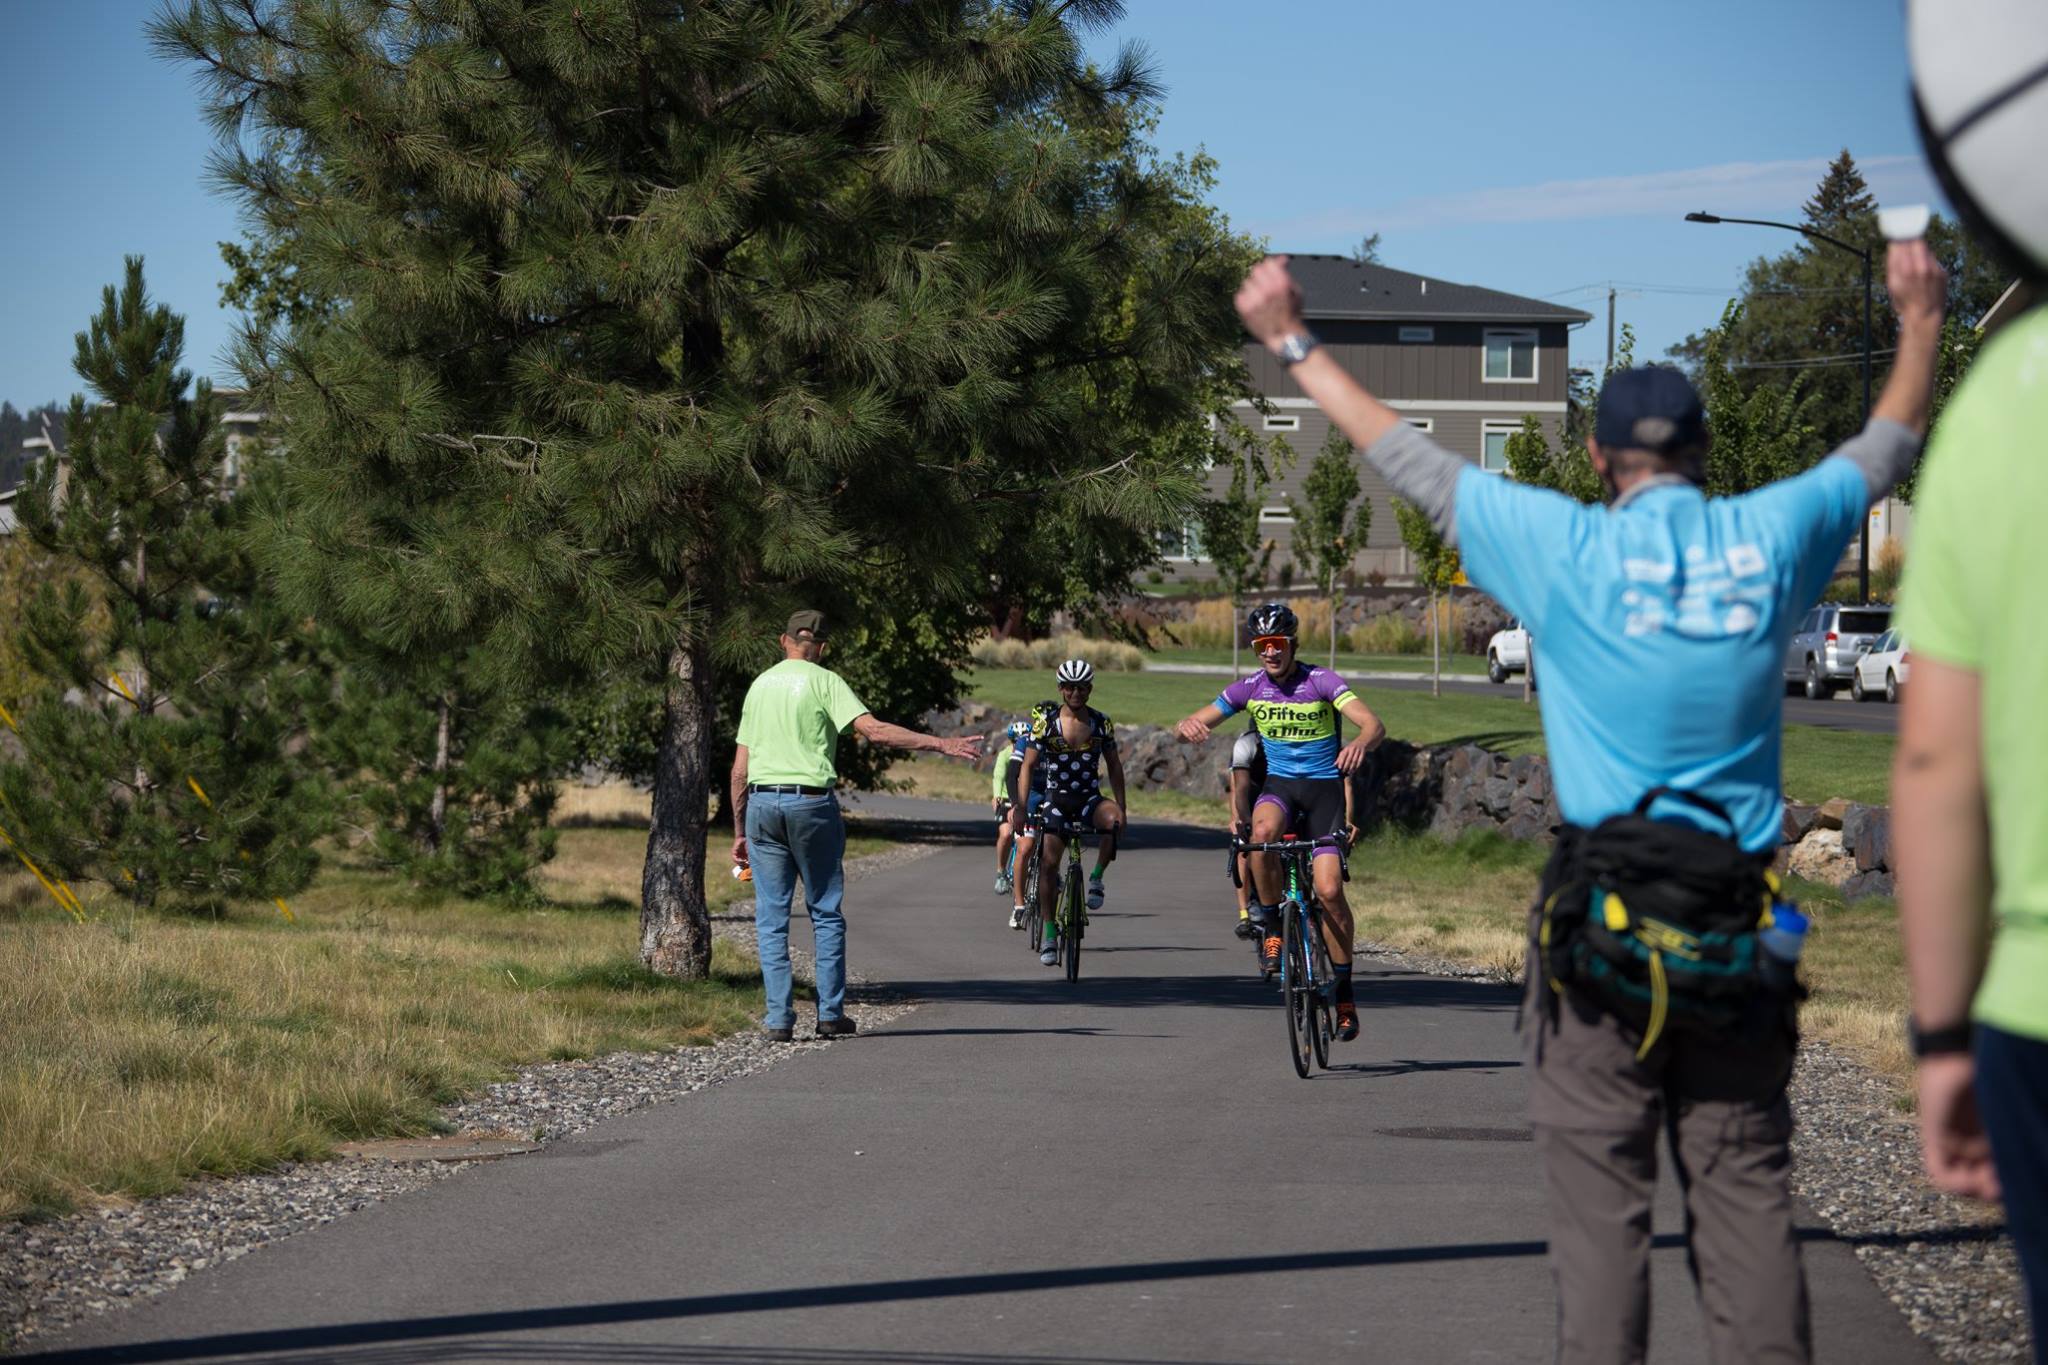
(1801, 320)
(660, 321)
(156, 751)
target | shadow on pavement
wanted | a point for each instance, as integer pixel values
(1223, 990)
(402, 1341)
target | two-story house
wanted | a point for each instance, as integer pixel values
(1465, 364)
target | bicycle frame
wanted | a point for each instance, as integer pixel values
(1068, 919)
(1308, 983)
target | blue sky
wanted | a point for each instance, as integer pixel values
(1534, 147)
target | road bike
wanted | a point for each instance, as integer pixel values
(1308, 982)
(1068, 915)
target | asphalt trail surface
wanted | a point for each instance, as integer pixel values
(1020, 1170)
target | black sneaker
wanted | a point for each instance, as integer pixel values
(778, 1035)
(837, 1028)
(1245, 927)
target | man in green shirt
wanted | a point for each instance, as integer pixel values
(1970, 794)
(786, 821)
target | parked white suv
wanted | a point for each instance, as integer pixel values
(1507, 652)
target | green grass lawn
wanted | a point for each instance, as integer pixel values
(1347, 663)
(1819, 763)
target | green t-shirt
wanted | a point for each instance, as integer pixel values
(1000, 788)
(1971, 600)
(791, 723)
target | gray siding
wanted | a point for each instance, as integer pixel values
(1449, 367)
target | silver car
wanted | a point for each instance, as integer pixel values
(1822, 656)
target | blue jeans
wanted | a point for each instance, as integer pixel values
(791, 836)
(2012, 1096)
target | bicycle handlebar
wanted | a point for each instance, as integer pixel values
(1335, 836)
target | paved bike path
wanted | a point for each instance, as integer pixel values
(1124, 1169)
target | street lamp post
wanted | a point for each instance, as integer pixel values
(1862, 254)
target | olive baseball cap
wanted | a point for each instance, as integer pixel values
(812, 621)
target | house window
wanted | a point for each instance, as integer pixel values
(1421, 423)
(1493, 445)
(1289, 423)
(1182, 543)
(1275, 515)
(1510, 356)
(1418, 334)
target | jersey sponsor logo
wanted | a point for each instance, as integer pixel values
(1294, 722)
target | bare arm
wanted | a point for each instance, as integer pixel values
(736, 797)
(1241, 798)
(1418, 468)
(1887, 446)
(1116, 778)
(897, 737)
(1024, 768)
(1195, 729)
(1940, 828)
(1371, 734)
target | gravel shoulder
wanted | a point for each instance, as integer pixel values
(57, 1273)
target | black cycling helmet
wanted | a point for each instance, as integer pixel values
(1272, 618)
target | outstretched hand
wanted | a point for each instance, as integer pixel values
(1269, 301)
(1916, 282)
(963, 746)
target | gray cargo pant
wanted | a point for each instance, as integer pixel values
(1596, 1111)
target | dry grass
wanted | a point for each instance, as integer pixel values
(1113, 656)
(940, 779)
(1213, 622)
(141, 1052)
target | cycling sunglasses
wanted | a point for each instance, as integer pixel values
(1276, 641)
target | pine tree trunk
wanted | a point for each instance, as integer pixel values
(675, 923)
(437, 809)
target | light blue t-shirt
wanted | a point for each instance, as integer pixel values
(1661, 627)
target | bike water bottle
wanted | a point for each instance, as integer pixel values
(1782, 937)
(742, 872)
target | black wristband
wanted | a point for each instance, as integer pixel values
(1939, 1042)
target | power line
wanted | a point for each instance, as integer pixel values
(1812, 362)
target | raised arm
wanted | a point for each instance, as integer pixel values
(897, 737)
(1887, 446)
(1418, 468)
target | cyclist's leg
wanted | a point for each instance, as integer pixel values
(1325, 812)
(1271, 815)
(1052, 845)
(1108, 819)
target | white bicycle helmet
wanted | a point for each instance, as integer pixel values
(1075, 671)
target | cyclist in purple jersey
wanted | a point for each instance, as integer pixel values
(1295, 707)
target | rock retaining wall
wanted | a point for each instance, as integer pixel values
(1450, 790)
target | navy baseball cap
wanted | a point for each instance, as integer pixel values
(1653, 408)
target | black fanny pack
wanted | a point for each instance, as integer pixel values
(1656, 923)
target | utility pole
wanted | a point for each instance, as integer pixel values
(1610, 328)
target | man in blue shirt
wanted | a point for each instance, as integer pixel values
(1664, 618)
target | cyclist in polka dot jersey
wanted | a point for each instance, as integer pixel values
(1070, 746)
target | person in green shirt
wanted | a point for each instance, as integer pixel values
(786, 821)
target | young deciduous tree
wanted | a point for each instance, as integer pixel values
(1231, 538)
(660, 320)
(156, 749)
(1437, 566)
(1325, 530)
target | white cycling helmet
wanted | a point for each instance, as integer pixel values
(1980, 91)
(1075, 671)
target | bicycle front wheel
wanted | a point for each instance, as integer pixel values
(1322, 1002)
(1071, 924)
(1295, 990)
(1034, 913)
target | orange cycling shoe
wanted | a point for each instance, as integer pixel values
(1347, 1020)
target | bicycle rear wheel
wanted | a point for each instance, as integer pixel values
(1295, 991)
(1071, 926)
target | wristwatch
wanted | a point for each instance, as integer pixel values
(1294, 347)
(1938, 1042)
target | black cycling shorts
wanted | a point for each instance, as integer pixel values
(1003, 810)
(1314, 806)
(1064, 811)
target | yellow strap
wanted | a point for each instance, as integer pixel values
(1543, 941)
(1660, 999)
(70, 905)
(1615, 913)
